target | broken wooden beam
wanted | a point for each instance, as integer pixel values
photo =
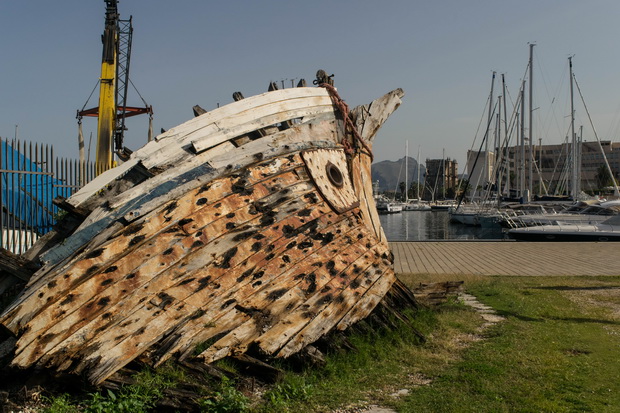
(15, 267)
(437, 293)
(198, 110)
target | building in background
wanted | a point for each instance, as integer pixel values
(441, 179)
(552, 170)
(480, 171)
(555, 165)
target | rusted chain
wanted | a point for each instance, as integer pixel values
(344, 110)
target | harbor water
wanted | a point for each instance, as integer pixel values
(432, 225)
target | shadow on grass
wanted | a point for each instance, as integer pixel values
(569, 288)
(564, 319)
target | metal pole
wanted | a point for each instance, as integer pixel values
(540, 177)
(522, 160)
(531, 134)
(572, 133)
(486, 146)
(505, 155)
(579, 149)
(2, 176)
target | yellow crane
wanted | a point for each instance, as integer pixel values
(113, 86)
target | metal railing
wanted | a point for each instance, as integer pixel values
(30, 178)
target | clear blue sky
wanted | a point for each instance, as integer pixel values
(441, 52)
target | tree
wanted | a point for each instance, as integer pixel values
(450, 193)
(603, 177)
(402, 188)
(414, 189)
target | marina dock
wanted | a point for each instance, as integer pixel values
(506, 258)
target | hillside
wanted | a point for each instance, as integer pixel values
(390, 173)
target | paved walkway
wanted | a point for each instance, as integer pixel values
(507, 258)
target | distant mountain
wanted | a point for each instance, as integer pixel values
(391, 173)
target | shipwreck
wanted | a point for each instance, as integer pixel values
(250, 228)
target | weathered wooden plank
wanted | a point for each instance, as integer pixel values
(185, 206)
(361, 171)
(26, 306)
(264, 270)
(369, 118)
(234, 129)
(89, 300)
(291, 325)
(101, 181)
(285, 298)
(313, 276)
(164, 187)
(171, 246)
(16, 266)
(198, 110)
(232, 110)
(437, 293)
(299, 137)
(257, 368)
(139, 231)
(193, 173)
(234, 120)
(155, 286)
(266, 148)
(369, 301)
(285, 253)
(119, 350)
(328, 316)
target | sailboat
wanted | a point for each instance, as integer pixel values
(415, 204)
(608, 230)
(443, 204)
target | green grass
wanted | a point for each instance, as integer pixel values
(381, 363)
(558, 350)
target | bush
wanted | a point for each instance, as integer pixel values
(59, 404)
(130, 400)
(227, 399)
(294, 389)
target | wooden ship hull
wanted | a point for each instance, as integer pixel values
(248, 228)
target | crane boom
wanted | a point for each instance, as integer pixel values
(113, 84)
(107, 89)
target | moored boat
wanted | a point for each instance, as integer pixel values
(251, 227)
(606, 231)
(416, 205)
(389, 207)
(443, 205)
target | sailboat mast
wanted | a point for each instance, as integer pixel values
(418, 166)
(616, 190)
(406, 171)
(522, 160)
(579, 148)
(572, 133)
(498, 132)
(498, 159)
(443, 173)
(540, 177)
(505, 155)
(531, 134)
(486, 145)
